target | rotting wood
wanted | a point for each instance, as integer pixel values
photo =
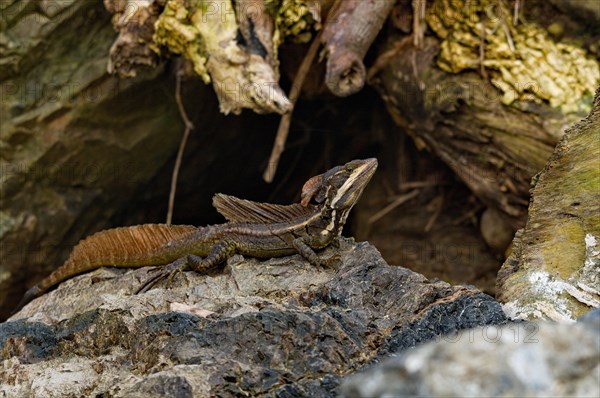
(133, 50)
(495, 134)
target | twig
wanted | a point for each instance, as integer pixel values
(511, 43)
(399, 200)
(436, 213)
(186, 133)
(421, 184)
(301, 146)
(516, 12)
(415, 69)
(468, 214)
(386, 57)
(482, 53)
(418, 16)
(510, 185)
(286, 119)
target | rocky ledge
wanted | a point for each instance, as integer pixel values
(517, 360)
(259, 328)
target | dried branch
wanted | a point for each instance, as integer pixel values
(286, 119)
(397, 202)
(482, 71)
(351, 28)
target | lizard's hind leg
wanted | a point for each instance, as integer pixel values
(167, 272)
(218, 254)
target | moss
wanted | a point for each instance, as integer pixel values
(564, 249)
(522, 61)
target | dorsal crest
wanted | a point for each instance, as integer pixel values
(246, 211)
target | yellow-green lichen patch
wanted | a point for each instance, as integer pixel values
(219, 30)
(198, 29)
(208, 34)
(522, 61)
(175, 30)
(294, 20)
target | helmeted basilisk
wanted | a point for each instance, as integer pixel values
(260, 230)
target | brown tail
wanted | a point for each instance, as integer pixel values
(127, 246)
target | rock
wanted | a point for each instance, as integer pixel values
(496, 232)
(591, 317)
(519, 359)
(278, 328)
(70, 135)
(553, 271)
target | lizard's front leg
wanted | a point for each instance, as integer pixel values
(307, 252)
(218, 254)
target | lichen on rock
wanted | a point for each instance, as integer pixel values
(522, 61)
(589, 277)
(554, 268)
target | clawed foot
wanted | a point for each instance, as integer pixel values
(167, 272)
(332, 261)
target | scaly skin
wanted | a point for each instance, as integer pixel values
(256, 229)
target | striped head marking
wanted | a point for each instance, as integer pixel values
(343, 185)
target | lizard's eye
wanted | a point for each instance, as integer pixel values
(349, 169)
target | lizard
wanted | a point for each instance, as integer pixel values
(260, 230)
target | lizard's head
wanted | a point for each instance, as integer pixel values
(341, 187)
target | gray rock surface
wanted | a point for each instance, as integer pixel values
(516, 360)
(262, 328)
(71, 136)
